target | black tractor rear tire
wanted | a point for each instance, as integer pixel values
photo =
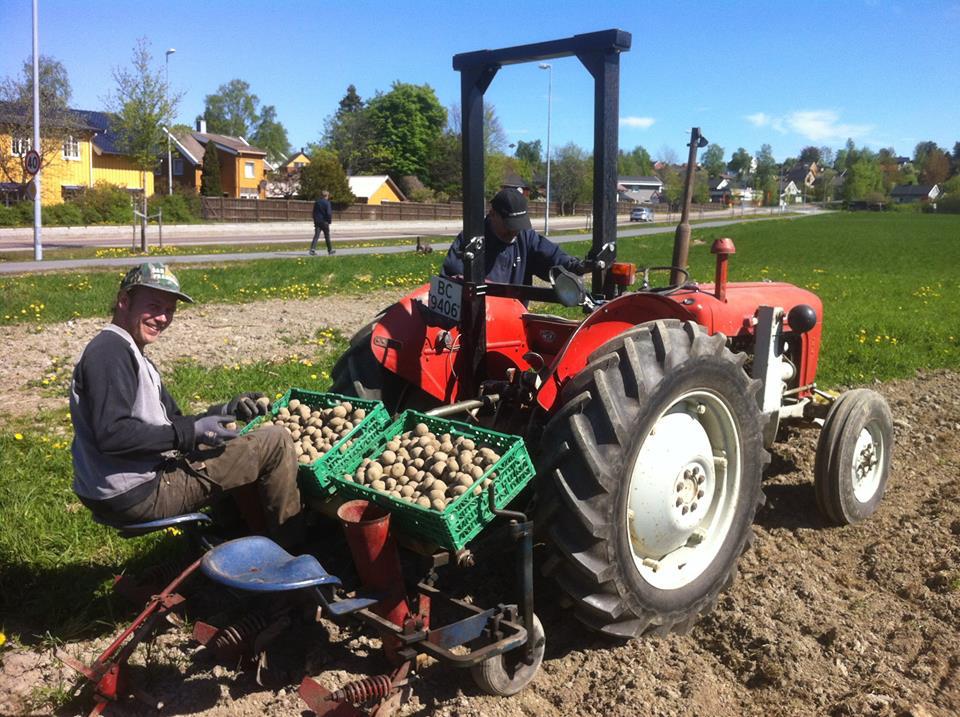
(358, 373)
(653, 466)
(853, 457)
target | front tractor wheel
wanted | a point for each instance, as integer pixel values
(853, 457)
(656, 459)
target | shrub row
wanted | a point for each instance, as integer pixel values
(104, 204)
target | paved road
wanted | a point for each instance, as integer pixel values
(23, 267)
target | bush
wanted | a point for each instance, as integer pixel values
(105, 203)
(181, 207)
(913, 208)
(949, 205)
(9, 216)
(62, 215)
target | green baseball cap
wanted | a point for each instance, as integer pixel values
(155, 276)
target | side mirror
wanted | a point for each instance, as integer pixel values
(568, 287)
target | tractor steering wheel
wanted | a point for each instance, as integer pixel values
(670, 288)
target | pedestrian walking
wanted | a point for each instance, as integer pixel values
(322, 217)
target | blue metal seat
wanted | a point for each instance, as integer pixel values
(132, 530)
(258, 564)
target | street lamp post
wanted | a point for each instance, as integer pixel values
(167, 92)
(546, 215)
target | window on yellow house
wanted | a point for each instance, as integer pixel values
(21, 145)
(248, 170)
(71, 148)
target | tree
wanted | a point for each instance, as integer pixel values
(740, 162)
(232, 110)
(210, 177)
(809, 155)
(635, 163)
(444, 175)
(936, 167)
(271, 135)
(16, 118)
(325, 173)
(143, 105)
(405, 123)
(348, 132)
(863, 178)
(766, 167)
(826, 156)
(571, 176)
(531, 153)
(712, 160)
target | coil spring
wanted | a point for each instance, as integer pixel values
(161, 575)
(239, 632)
(363, 690)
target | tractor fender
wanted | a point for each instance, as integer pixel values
(608, 321)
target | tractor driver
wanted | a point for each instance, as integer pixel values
(513, 252)
(136, 457)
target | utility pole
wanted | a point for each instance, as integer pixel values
(549, 68)
(37, 224)
(166, 94)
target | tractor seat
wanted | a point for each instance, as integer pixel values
(133, 530)
(258, 564)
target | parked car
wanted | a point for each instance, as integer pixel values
(641, 214)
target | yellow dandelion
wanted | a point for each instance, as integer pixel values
(3, 639)
(18, 436)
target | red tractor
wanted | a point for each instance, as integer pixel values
(650, 419)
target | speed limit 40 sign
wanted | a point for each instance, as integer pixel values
(31, 162)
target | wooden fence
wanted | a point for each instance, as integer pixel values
(222, 209)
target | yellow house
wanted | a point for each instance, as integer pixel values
(298, 161)
(375, 190)
(242, 166)
(89, 156)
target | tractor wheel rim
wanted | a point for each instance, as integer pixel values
(683, 490)
(867, 460)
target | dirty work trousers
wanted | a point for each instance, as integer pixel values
(317, 228)
(263, 458)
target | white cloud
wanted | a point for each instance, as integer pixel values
(815, 125)
(819, 125)
(638, 122)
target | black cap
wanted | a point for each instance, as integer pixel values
(512, 206)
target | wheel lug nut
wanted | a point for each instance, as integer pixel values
(679, 487)
(679, 502)
(693, 507)
(699, 494)
(687, 474)
(685, 510)
(701, 479)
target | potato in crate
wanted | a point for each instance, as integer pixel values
(433, 475)
(327, 430)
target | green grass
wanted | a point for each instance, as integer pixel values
(887, 282)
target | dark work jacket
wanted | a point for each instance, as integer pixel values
(527, 256)
(124, 422)
(322, 211)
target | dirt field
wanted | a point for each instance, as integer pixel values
(861, 620)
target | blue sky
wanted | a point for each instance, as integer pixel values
(785, 73)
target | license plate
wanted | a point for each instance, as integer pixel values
(445, 297)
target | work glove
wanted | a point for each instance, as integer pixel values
(578, 266)
(245, 406)
(210, 431)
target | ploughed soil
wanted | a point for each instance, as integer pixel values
(860, 620)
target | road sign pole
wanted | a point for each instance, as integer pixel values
(37, 245)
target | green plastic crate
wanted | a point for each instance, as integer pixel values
(466, 516)
(314, 478)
